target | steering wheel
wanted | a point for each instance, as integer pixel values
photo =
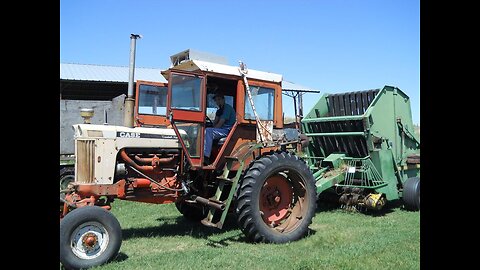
(209, 121)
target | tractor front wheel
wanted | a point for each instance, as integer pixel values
(89, 236)
(276, 200)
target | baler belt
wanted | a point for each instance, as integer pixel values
(350, 103)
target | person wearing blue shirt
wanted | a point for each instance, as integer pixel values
(225, 118)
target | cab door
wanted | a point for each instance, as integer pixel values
(186, 108)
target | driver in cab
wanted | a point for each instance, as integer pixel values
(225, 118)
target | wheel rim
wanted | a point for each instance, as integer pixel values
(89, 240)
(275, 199)
(281, 199)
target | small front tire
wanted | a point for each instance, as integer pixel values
(89, 236)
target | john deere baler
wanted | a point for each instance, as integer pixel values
(363, 150)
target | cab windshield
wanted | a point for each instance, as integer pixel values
(186, 92)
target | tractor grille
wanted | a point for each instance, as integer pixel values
(85, 161)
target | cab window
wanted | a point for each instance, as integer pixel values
(152, 100)
(263, 99)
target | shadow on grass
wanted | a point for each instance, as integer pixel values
(325, 206)
(120, 257)
(390, 207)
(179, 226)
(240, 237)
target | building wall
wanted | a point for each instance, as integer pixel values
(70, 115)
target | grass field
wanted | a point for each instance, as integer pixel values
(158, 237)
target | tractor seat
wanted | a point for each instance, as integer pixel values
(220, 141)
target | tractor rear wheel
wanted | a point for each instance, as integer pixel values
(276, 200)
(411, 194)
(89, 236)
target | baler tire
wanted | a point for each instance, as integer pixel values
(411, 194)
(251, 196)
(79, 223)
(191, 213)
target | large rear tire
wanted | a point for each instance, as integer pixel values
(277, 199)
(411, 194)
(89, 236)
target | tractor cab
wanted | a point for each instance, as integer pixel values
(161, 160)
(191, 107)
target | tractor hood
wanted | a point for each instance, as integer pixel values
(112, 132)
(130, 137)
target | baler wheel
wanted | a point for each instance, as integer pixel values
(276, 199)
(411, 194)
(89, 236)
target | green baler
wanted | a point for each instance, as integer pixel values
(363, 150)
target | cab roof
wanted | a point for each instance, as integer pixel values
(199, 65)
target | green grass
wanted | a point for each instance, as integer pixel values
(158, 237)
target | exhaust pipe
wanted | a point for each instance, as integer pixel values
(126, 158)
(157, 160)
(129, 100)
(209, 203)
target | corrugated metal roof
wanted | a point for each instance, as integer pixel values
(88, 72)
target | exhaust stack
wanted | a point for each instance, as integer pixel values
(129, 100)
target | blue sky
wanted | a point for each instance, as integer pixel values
(334, 46)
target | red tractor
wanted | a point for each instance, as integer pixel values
(252, 171)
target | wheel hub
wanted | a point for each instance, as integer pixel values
(275, 199)
(272, 198)
(89, 240)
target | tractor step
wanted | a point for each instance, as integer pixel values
(216, 215)
(207, 223)
(212, 203)
(231, 158)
